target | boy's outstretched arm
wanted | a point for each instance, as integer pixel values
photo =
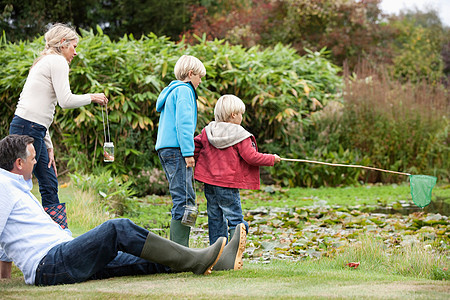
(247, 150)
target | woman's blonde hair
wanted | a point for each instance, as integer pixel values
(53, 38)
(227, 105)
(188, 63)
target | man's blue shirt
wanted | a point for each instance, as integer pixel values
(27, 233)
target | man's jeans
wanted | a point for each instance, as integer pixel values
(223, 204)
(48, 183)
(109, 250)
(180, 180)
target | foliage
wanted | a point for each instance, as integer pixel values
(419, 41)
(284, 95)
(150, 182)
(237, 21)
(85, 210)
(152, 213)
(398, 126)
(382, 123)
(320, 230)
(414, 258)
(111, 191)
(350, 29)
(26, 19)
(279, 88)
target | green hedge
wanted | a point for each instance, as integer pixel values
(280, 90)
(284, 96)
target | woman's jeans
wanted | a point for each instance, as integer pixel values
(48, 183)
(109, 250)
(223, 204)
(180, 180)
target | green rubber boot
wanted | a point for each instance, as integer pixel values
(231, 258)
(179, 233)
(179, 258)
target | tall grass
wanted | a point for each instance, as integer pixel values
(398, 126)
(380, 122)
(111, 191)
(85, 211)
(411, 260)
(399, 100)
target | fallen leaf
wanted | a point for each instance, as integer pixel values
(353, 265)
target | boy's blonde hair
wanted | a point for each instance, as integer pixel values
(188, 63)
(53, 38)
(227, 105)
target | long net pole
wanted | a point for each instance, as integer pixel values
(342, 165)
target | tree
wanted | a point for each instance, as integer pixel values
(350, 29)
(169, 18)
(419, 46)
(24, 20)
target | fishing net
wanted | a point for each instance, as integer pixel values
(421, 186)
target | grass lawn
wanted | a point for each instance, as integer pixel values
(324, 278)
(279, 279)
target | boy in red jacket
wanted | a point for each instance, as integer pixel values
(227, 160)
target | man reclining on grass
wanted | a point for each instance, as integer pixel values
(47, 255)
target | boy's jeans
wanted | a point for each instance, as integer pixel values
(223, 204)
(98, 254)
(180, 180)
(48, 183)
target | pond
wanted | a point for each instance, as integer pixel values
(438, 205)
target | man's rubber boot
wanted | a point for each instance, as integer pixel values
(180, 258)
(231, 258)
(179, 233)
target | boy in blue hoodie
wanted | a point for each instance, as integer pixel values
(177, 104)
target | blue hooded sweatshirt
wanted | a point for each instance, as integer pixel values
(177, 104)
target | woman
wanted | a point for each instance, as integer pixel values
(47, 84)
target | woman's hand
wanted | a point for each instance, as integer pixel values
(51, 160)
(99, 98)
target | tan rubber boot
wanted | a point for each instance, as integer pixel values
(231, 258)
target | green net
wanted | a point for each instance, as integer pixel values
(421, 186)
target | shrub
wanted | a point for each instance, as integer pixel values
(150, 182)
(395, 126)
(418, 46)
(111, 191)
(279, 87)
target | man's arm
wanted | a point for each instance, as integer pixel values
(5, 269)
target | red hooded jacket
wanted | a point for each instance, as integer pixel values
(236, 166)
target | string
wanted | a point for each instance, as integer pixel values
(107, 123)
(193, 186)
(104, 129)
